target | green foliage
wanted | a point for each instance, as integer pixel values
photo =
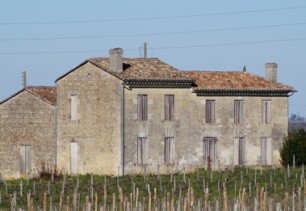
(294, 144)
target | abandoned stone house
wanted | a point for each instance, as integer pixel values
(121, 115)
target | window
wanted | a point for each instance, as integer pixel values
(210, 111)
(25, 158)
(142, 107)
(266, 112)
(238, 111)
(169, 150)
(238, 151)
(74, 107)
(74, 158)
(266, 151)
(169, 107)
(142, 150)
(209, 151)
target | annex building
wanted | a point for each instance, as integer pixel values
(121, 115)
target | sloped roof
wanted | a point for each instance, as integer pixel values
(138, 69)
(46, 93)
(236, 81)
(150, 69)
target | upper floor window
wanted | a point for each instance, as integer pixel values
(169, 150)
(238, 111)
(142, 107)
(142, 150)
(74, 107)
(169, 107)
(266, 112)
(210, 111)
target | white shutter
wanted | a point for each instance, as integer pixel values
(268, 112)
(171, 150)
(74, 107)
(241, 112)
(263, 160)
(263, 111)
(236, 151)
(28, 158)
(22, 159)
(74, 157)
(269, 151)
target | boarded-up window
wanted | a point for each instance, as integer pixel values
(25, 158)
(74, 157)
(209, 151)
(74, 107)
(239, 151)
(266, 112)
(210, 111)
(169, 150)
(142, 150)
(142, 107)
(238, 111)
(169, 107)
(266, 151)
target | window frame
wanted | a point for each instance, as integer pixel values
(142, 107)
(239, 151)
(169, 150)
(142, 150)
(238, 112)
(169, 107)
(74, 106)
(210, 143)
(266, 111)
(210, 111)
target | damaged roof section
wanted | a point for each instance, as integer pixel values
(45, 93)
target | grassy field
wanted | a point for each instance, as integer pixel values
(276, 182)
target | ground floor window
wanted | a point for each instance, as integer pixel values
(25, 158)
(169, 150)
(239, 151)
(142, 150)
(74, 157)
(210, 151)
(266, 151)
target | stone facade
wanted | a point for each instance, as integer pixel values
(129, 116)
(26, 120)
(96, 131)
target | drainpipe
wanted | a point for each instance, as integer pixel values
(123, 128)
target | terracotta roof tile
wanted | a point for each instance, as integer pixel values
(215, 80)
(142, 69)
(46, 93)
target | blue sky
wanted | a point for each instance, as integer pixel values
(48, 38)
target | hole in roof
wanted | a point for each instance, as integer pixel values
(125, 66)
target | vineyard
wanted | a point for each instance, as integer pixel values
(232, 189)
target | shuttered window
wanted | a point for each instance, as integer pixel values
(209, 151)
(210, 111)
(169, 107)
(74, 157)
(238, 111)
(266, 151)
(266, 112)
(25, 158)
(74, 107)
(169, 150)
(142, 150)
(142, 107)
(239, 151)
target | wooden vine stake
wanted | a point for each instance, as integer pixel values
(225, 206)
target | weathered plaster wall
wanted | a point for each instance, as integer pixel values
(189, 129)
(26, 120)
(98, 127)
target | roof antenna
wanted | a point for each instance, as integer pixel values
(24, 79)
(145, 50)
(244, 69)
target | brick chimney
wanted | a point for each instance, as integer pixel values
(271, 72)
(115, 60)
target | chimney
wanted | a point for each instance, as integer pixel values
(271, 72)
(115, 60)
